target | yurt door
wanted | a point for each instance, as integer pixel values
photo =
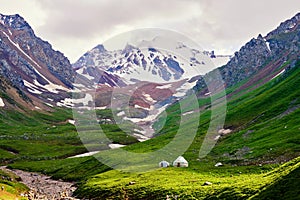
(178, 164)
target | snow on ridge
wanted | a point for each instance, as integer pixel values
(51, 87)
(34, 91)
(278, 74)
(268, 45)
(85, 75)
(32, 88)
(182, 90)
(18, 47)
(69, 102)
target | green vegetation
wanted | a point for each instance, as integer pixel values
(265, 126)
(265, 129)
(10, 188)
(177, 183)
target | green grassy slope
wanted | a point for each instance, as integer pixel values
(178, 183)
(45, 136)
(266, 130)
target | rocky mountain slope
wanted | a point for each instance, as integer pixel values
(262, 58)
(145, 62)
(31, 72)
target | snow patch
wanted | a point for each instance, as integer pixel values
(268, 45)
(51, 87)
(85, 154)
(71, 121)
(140, 107)
(150, 117)
(217, 137)
(187, 113)
(101, 108)
(32, 88)
(182, 90)
(148, 98)
(115, 146)
(278, 74)
(164, 86)
(122, 113)
(224, 131)
(68, 102)
(1, 103)
(48, 104)
(80, 71)
(141, 137)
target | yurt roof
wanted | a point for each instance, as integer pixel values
(181, 159)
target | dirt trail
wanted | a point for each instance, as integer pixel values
(43, 187)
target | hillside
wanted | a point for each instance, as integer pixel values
(258, 144)
(265, 131)
(262, 59)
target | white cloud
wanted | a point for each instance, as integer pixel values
(74, 27)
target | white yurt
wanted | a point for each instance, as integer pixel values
(163, 164)
(180, 162)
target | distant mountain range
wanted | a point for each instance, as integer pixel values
(261, 58)
(144, 63)
(34, 76)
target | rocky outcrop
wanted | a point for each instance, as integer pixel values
(35, 48)
(262, 53)
(28, 63)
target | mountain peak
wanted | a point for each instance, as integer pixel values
(260, 37)
(262, 57)
(101, 48)
(128, 48)
(14, 21)
(289, 25)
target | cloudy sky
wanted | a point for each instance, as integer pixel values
(75, 26)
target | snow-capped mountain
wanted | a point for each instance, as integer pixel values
(140, 81)
(145, 62)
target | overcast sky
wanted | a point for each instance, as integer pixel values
(75, 26)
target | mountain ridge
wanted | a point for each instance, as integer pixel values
(30, 65)
(276, 48)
